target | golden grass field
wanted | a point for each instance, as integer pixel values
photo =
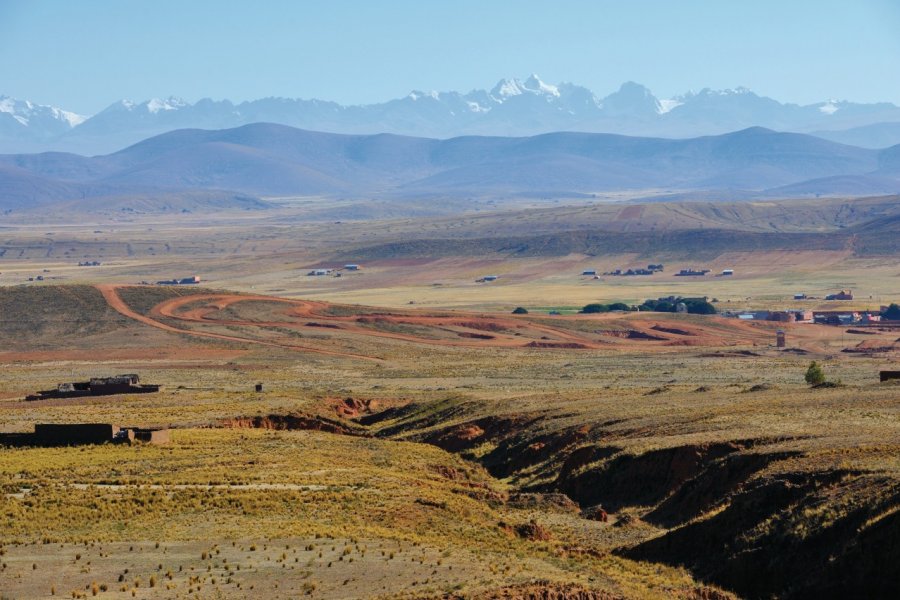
(421, 450)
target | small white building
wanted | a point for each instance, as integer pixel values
(727, 272)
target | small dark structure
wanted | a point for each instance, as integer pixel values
(692, 272)
(47, 434)
(192, 280)
(888, 375)
(80, 434)
(97, 386)
(259, 387)
(842, 295)
(780, 340)
(148, 436)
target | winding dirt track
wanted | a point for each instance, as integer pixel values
(447, 329)
(110, 294)
(493, 330)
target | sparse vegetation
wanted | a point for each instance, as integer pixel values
(814, 374)
(448, 424)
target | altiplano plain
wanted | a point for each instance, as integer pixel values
(413, 438)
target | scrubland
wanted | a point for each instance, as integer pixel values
(444, 448)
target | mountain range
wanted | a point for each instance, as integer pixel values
(513, 107)
(239, 166)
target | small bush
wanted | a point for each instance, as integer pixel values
(814, 374)
(520, 311)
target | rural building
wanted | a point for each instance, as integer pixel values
(319, 272)
(97, 386)
(632, 272)
(791, 316)
(590, 272)
(352, 267)
(835, 317)
(692, 272)
(781, 316)
(800, 296)
(47, 434)
(658, 267)
(842, 295)
(727, 272)
(77, 434)
(487, 278)
(193, 280)
(148, 436)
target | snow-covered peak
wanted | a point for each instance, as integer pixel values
(416, 95)
(26, 112)
(829, 108)
(156, 105)
(668, 104)
(534, 84)
(507, 88)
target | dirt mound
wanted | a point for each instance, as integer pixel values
(291, 422)
(325, 325)
(630, 334)
(482, 326)
(595, 513)
(551, 345)
(533, 531)
(350, 408)
(871, 347)
(761, 387)
(551, 501)
(730, 354)
(799, 351)
(475, 336)
(861, 331)
(672, 330)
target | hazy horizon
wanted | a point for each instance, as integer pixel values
(355, 53)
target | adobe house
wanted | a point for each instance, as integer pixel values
(78, 434)
(97, 386)
(148, 436)
(73, 434)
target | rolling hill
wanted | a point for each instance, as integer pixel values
(275, 160)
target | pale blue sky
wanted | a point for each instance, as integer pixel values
(83, 55)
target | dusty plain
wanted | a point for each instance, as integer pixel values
(415, 439)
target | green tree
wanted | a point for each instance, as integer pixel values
(814, 374)
(700, 307)
(520, 311)
(892, 312)
(595, 308)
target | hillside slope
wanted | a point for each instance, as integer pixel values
(275, 160)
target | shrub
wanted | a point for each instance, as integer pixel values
(595, 308)
(520, 311)
(814, 374)
(892, 312)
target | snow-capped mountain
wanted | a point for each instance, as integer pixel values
(19, 116)
(513, 107)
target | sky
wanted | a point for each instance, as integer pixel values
(84, 55)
